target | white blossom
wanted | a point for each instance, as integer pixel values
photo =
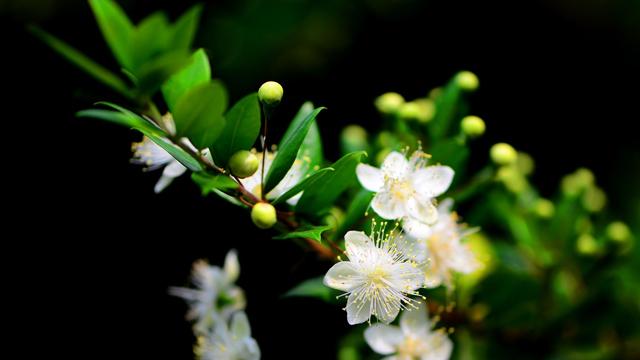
(413, 339)
(443, 248)
(379, 276)
(406, 188)
(224, 343)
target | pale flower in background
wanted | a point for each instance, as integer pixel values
(215, 291)
(224, 343)
(413, 339)
(406, 188)
(378, 277)
(443, 247)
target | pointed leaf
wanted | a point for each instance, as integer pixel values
(321, 195)
(196, 73)
(150, 39)
(289, 151)
(184, 29)
(119, 118)
(311, 232)
(199, 113)
(208, 183)
(241, 129)
(154, 72)
(182, 156)
(301, 186)
(116, 29)
(312, 145)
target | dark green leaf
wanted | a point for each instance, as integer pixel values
(301, 186)
(288, 152)
(356, 211)
(312, 145)
(196, 73)
(116, 28)
(447, 110)
(199, 114)
(150, 39)
(120, 118)
(208, 182)
(321, 195)
(313, 287)
(184, 29)
(311, 232)
(240, 131)
(83, 62)
(183, 157)
(153, 73)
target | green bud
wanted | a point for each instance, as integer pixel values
(409, 111)
(544, 208)
(270, 93)
(587, 245)
(594, 199)
(389, 103)
(503, 154)
(263, 215)
(473, 126)
(512, 179)
(353, 138)
(585, 178)
(618, 231)
(583, 225)
(243, 164)
(467, 80)
(435, 93)
(525, 163)
(427, 109)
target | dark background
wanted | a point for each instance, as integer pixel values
(558, 79)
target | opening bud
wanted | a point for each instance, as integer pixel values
(270, 93)
(503, 154)
(467, 80)
(243, 164)
(618, 231)
(473, 126)
(389, 103)
(263, 215)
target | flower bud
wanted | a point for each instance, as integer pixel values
(243, 164)
(525, 163)
(618, 231)
(587, 245)
(389, 103)
(427, 109)
(594, 199)
(409, 111)
(544, 208)
(270, 93)
(263, 215)
(473, 126)
(467, 80)
(353, 138)
(503, 154)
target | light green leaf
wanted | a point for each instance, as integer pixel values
(150, 39)
(196, 73)
(208, 182)
(301, 186)
(116, 28)
(321, 194)
(182, 156)
(311, 232)
(313, 287)
(312, 145)
(288, 152)
(119, 118)
(199, 113)
(447, 110)
(184, 29)
(83, 62)
(241, 129)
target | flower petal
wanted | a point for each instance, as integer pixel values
(388, 206)
(232, 266)
(414, 321)
(395, 165)
(356, 241)
(174, 169)
(432, 181)
(416, 229)
(422, 210)
(440, 347)
(343, 276)
(371, 178)
(240, 327)
(358, 309)
(162, 183)
(384, 339)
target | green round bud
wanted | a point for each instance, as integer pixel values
(427, 109)
(587, 245)
(243, 164)
(512, 179)
(544, 208)
(467, 80)
(389, 103)
(409, 111)
(594, 199)
(503, 154)
(525, 163)
(353, 138)
(270, 93)
(473, 126)
(263, 215)
(618, 231)
(585, 178)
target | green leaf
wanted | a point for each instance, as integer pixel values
(208, 182)
(154, 72)
(83, 62)
(312, 145)
(356, 211)
(447, 110)
(196, 73)
(313, 287)
(116, 28)
(321, 195)
(199, 114)
(452, 153)
(311, 232)
(301, 186)
(288, 152)
(240, 131)
(121, 109)
(182, 156)
(119, 118)
(184, 29)
(150, 39)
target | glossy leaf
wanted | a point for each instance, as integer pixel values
(321, 195)
(154, 72)
(196, 73)
(447, 110)
(119, 118)
(184, 28)
(182, 156)
(116, 28)
(199, 114)
(311, 232)
(313, 287)
(288, 152)
(150, 39)
(242, 127)
(208, 183)
(312, 145)
(301, 186)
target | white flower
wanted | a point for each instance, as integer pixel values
(406, 188)
(413, 339)
(151, 155)
(296, 174)
(378, 277)
(228, 344)
(215, 291)
(442, 244)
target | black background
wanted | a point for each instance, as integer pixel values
(559, 80)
